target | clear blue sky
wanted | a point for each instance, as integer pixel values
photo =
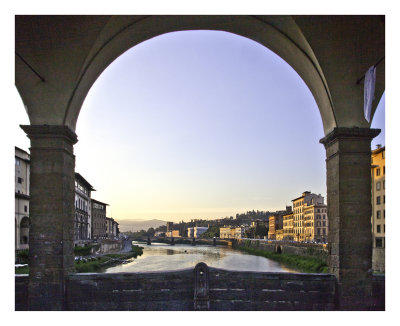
(200, 124)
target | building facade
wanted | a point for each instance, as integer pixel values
(307, 198)
(288, 230)
(279, 234)
(272, 227)
(22, 177)
(99, 227)
(315, 223)
(173, 234)
(83, 210)
(232, 232)
(378, 174)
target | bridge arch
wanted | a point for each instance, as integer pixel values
(295, 52)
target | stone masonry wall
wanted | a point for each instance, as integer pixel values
(227, 290)
(378, 259)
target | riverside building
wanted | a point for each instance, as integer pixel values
(378, 208)
(99, 228)
(231, 232)
(83, 214)
(299, 204)
(288, 229)
(315, 223)
(22, 176)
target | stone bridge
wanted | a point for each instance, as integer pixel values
(202, 288)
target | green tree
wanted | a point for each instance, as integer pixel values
(213, 231)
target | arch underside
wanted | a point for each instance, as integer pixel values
(71, 55)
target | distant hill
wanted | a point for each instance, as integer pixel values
(137, 225)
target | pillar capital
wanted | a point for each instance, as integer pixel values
(349, 133)
(54, 136)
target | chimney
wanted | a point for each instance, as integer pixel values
(378, 146)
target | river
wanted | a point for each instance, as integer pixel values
(163, 257)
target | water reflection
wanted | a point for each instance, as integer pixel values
(163, 257)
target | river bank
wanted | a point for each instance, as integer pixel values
(85, 263)
(300, 263)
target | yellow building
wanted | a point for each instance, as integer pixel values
(172, 233)
(231, 232)
(272, 227)
(299, 222)
(288, 230)
(315, 223)
(279, 234)
(378, 197)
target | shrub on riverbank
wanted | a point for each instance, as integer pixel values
(22, 256)
(83, 251)
(300, 263)
(136, 251)
(93, 265)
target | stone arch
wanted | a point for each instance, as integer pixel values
(280, 34)
(296, 52)
(278, 249)
(24, 230)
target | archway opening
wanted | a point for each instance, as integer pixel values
(24, 230)
(193, 125)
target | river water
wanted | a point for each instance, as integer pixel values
(164, 257)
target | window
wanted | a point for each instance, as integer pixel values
(378, 185)
(378, 214)
(384, 198)
(384, 214)
(19, 180)
(378, 172)
(383, 184)
(25, 208)
(384, 169)
(378, 200)
(378, 243)
(378, 229)
(323, 223)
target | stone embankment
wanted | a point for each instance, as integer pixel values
(314, 250)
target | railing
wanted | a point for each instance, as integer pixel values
(201, 288)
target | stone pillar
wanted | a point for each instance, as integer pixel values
(348, 163)
(52, 214)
